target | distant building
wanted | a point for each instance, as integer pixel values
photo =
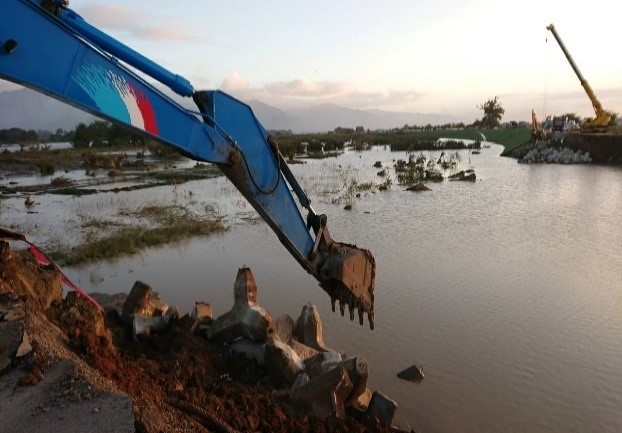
(360, 129)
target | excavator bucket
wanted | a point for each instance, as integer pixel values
(346, 272)
(348, 276)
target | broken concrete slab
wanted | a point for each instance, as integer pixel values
(381, 408)
(358, 371)
(304, 352)
(282, 363)
(414, 373)
(326, 394)
(308, 328)
(246, 318)
(356, 367)
(361, 403)
(142, 300)
(321, 362)
(146, 325)
(202, 311)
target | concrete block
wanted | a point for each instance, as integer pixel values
(414, 373)
(282, 363)
(142, 300)
(320, 363)
(361, 403)
(146, 325)
(284, 328)
(356, 367)
(358, 371)
(246, 318)
(304, 352)
(301, 380)
(326, 394)
(308, 328)
(382, 408)
(250, 349)
(201, 311)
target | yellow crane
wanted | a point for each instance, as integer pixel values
(600, 123)
(536, 132)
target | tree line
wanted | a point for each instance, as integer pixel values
(97, 134)
(18, 136)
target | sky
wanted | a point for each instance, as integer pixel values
(426, 56)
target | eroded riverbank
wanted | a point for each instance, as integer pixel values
(65, 366)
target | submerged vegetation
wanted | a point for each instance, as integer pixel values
(168, 223)
(398, 139)
(146, 164)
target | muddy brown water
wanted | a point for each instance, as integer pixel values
(508, 291)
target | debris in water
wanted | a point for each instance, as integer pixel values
(414, 373)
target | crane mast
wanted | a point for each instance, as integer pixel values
(602, 119)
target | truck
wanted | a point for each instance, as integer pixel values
(48, 47)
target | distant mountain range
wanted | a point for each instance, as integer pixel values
(27, 109)
(327, 117)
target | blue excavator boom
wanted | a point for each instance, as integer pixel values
(48, 47)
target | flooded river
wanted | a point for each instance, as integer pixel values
(508, 291)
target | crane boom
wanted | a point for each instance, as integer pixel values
(602, 118)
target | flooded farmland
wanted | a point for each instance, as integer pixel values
(507, 290)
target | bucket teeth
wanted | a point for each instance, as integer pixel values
(345, 298)
(351, 305)
(347, 274)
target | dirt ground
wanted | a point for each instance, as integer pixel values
(85, 372)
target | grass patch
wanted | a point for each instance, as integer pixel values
(61, 181)
(508, 138)
(186, 175)
(76, 192)
(365, 186)
(175, 223)
(40, 159)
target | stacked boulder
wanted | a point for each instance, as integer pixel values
(316, 379)
(541, 153)
(319, 380)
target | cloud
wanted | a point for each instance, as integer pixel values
(234, 83)
(303, 92)
(308, 89)
(6, 86)
(137, 23)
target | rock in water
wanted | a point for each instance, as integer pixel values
(414, 373)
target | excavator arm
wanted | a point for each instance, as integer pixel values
(46, 46)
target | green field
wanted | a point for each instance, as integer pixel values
(291, 144)
(508, 138)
